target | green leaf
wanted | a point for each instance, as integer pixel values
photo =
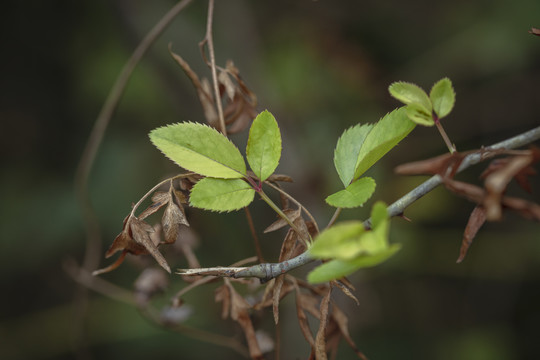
(380, 224)
(409, 93)
(221, 194)
(386, 134)
(347, 150)
(264, 145)
(418, 114)
(338, 241)
(353, 195)
(443, 97)
(336, 269)
(201, 149)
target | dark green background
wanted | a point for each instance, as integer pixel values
(319, 67)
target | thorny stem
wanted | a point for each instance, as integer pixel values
(268, 271)
(451, 147)
(209, 40)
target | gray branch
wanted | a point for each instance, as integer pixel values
(268, 271)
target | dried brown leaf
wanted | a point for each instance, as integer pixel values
(497, 182)
(204, 90)
(534, 31)
(302, 318)
(159, 199)
(139, 231)
(476, 220)
(527, 209)
(173, 218)
(469, 191)
(280, 223)
(279, 178)
(341, 284)
(445, 165)
(239, 313)
(225, 80)
(276, 296)
(320, 339)
(342, 322)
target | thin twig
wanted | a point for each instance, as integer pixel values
(258, 249)
(209, 40)
(268, 271)
(93, 243)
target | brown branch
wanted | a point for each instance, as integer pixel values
(209, 41)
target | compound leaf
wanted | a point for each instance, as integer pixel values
(418, 114)
(354, 195)
(201, 149)
(347, 150)
(443, 97)
(336, 269)
(386, 134)
(221, 194)
(264, 145)
(409, 93)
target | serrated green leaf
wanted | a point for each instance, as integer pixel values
(354, 195)
(380, 225)
(409, 93)
(338, 241)
(386, 134)
(221, 194)
(336, 269)
(264, 145)
(418, 115)
(201, 149)
(347, 150)
(443, 97)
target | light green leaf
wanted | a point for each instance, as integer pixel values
(380, 225)
(338, 241)
(443, 97)
(347, 150)
(264, 145)
(418, 114)
(221, 194)
(336, 269)
(353, 195)
(409, 93)
(386, 134)
(201, 149)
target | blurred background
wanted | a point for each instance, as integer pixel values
(319, 67)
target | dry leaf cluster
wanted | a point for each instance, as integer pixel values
(490, 199)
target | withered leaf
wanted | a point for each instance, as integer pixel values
(139, 231)
(527, 209)
(476, 220)
(239, 313)
(173, 218)
(223, 295)
(320, 339)
(159, 199)
(279, 178)
(276, 296)
(225, 80)
(280, 223)
(534, 31)
(445, 165)
(497, 182)
(342, 322)
(302, 318)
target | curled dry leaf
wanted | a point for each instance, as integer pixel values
(237, 307)
(342, 321)
(476, 220)
(302, 318)
(445, 165)
(320, 339)
(239, 103)
(497, 181)
(159, 199)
